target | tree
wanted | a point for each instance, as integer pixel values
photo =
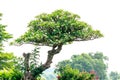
(100, 65)
(92, 62)
(7, 70)
(114, 75)
(5, 58)
(55, 30)
(4, 35)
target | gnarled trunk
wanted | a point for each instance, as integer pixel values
(55, 50)
(31, 75)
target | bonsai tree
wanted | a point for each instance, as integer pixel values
(55, 30)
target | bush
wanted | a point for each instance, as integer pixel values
(10, 74)
(67, 73)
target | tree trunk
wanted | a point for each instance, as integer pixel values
(55, 50)
(31, 75)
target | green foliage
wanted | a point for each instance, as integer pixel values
(10, 74)
(114, 75)
(67, 73)
(34, 58)
(7, 69)
(34, 62)
(6, 60)
(4, 35)
(59, 27)
(99, 64)
(88, 62)
(19, 64)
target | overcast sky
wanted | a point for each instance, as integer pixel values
(103, 15)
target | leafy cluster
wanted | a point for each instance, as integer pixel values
(19, 64)
(68, 73)
(6, 60)
(34, 59)
(4, 35)
(88, 62)
(59, 27)
(10, 74)
(33, 62)
(13, 68)
(7, 68)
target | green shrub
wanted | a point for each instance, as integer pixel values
(10, 74)
(67, 73)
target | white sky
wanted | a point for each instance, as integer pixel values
(103, 15)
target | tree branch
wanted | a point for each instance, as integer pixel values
(79, 39)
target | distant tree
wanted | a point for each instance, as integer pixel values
(88, 62)
(100, 65)
(55, 30)
(114, 75)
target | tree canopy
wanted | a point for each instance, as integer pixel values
(59, 27)
(88, 62)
